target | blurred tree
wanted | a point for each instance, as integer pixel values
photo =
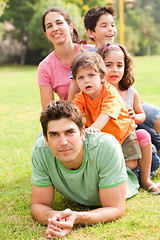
(141, 20)
(80, 4)
(156, 11)
(131, 39)
(25, 15)
(142, 23)
(94, 3)
(3, 5)
(85, 5)
(19, 14)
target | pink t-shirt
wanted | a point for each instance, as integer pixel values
(52, 72)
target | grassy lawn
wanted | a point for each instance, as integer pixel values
(19, 116)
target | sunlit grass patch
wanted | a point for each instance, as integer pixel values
(19, 126)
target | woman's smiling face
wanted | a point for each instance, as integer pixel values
(57, 29)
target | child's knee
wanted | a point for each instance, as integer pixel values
(144, 137)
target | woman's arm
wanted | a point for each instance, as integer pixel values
(46, 94)
(73, 90)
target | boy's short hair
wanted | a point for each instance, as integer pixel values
(92, 16)
(57, 110)
(88, 59)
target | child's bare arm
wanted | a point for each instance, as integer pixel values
(100, 122)
(73, 90)
(139, 113)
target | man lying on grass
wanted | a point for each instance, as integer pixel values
(85, 167)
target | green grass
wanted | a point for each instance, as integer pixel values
(19, 117)
(148, 78)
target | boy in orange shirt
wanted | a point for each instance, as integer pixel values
(105, 111)
(104, 108)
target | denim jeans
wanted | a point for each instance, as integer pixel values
(152, 113)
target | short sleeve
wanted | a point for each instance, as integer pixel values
(43, 75)
(40, 176)
(78, 101)
(111, 104)
(111, 164)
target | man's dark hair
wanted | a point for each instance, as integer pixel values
(57, 110)
(92, 16)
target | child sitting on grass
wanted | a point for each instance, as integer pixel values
(105, 110)
(100, 26)
(120, 73)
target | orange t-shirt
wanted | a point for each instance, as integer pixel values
(110, 103)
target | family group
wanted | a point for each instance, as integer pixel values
(100, 142)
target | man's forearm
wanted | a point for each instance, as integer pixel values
(63, 223)
(104, 214)
(42, 213)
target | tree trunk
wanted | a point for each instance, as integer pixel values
(24, 50)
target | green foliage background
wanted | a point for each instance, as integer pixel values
(142, 23)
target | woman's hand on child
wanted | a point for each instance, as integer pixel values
(93, 129)
(131, 112)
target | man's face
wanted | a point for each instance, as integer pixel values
(66, 142)
(105, 30)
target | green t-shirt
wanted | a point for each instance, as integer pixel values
(103, 167)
